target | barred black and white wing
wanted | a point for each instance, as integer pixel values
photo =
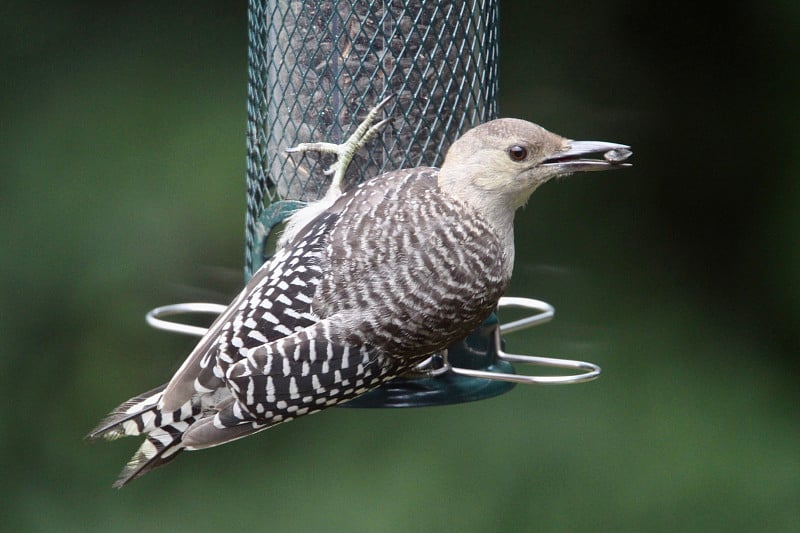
(297, 375)
(275, 303)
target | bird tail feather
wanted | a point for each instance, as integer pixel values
(161, 446)
(134, 417)
(142, 415)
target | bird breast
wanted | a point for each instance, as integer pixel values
(408, 268)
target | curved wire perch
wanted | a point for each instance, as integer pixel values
(437, 364)
(589, 371)
(545, 312)
(155, 318)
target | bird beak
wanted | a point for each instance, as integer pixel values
(574, 157)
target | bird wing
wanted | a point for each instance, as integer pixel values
(274, 303)
(300, 374)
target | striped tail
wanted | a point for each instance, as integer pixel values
(161, 446)
(141, 415)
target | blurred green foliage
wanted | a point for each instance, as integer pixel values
(122, 164)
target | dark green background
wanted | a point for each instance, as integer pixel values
(122, 162)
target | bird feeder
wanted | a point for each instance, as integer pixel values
(316, 67)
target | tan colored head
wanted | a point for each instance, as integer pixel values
(497, 165)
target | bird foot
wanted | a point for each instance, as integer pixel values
(347, 150)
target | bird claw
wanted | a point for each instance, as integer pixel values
(345, 152)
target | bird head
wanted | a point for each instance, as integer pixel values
(497, 165)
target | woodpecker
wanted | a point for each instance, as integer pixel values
(364, 285)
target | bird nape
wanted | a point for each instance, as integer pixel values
(364, 285)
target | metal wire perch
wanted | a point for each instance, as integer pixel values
(439, 364)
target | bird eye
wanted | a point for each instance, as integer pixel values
(517, 153)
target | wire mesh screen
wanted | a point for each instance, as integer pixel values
(317, 67)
